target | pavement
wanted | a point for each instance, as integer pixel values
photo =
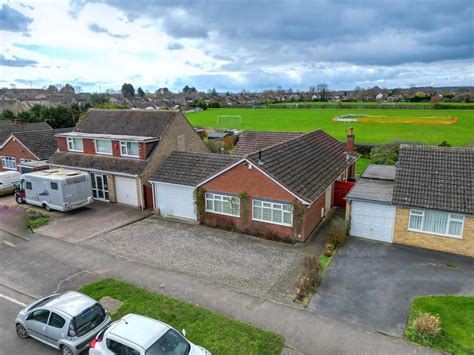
(250, 265)
(372, 283)
(44, 265)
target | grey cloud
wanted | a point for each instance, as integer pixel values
(17, 62)
(308, 27)
(99, 29)
(12, 20)
(173, 46)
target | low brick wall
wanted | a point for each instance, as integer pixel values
(463, 246)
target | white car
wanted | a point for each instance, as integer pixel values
(138, 335)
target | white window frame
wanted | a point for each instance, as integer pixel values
(23, 160)
(273, 208)
(123, 144)
(72, 147)
(418, 213)
(102, 153)
(10, 159)
(222, 198)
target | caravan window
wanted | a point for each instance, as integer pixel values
(28, 186)
(54, 185)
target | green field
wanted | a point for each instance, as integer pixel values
(306, 120)
(362, 103)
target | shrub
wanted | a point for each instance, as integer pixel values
(215, 146)
(311, 278)
(427, 325)
(338, 232)
(385, 154)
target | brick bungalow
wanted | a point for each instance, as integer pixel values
(426, 201)
(282, 191)
(122, 148)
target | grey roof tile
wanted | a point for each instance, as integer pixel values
(307, 164)
(8, 127)
(41, 143)
(150, 123)
(185, 168)
(435, 178)
(253, 141)
(379, 172)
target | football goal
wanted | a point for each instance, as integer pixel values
(259, 107)
(229, 120)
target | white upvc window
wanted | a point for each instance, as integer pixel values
(103, 146)
(272, 212)
(9, 163)
(75, 145)
(436, 222)
(129, 149)
(223, 204)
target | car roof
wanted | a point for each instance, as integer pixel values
(71, 303)
(140, 330)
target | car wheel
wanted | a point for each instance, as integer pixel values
(46, 207)
(19, 200)
(21, 331)
(65, 350)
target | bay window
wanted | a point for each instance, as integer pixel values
(129, 149)
(223, 204)
(271, 212)
(436, 222)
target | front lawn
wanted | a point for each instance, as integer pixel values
(457, 322)
(215, 332)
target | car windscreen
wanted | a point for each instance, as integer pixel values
(88, 319)
(171, 343)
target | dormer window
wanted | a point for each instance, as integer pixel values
(129, 149)
(75, 145)
(103, 146)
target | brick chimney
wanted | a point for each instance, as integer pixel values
(350, 142)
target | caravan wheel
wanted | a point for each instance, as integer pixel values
(46, 207)
(19, 200)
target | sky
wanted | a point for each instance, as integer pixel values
(231, 45)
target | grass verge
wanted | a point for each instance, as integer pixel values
(215, 332)
(457, 323)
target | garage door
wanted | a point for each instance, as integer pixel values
(175, 200)
(126, 190)
(372, 221)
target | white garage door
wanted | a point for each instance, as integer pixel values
(175, 200)
(126, 190)
(372, 221)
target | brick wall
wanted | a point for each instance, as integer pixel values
(89, 146)
(257, 185)
(15, 149)
(62, 144)
(463, 246)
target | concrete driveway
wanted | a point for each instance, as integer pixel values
(372, 283)
(77, 225)
(251, 265)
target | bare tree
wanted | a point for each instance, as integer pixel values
(322, 91)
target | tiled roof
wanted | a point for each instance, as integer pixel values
(306, 165)
(253, 141)
(189, 169)
(101, 163)
(41, 143)
(150, 123)
(8, 127)
(435, 178)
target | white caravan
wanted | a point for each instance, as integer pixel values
(8, 181)
(55, 189)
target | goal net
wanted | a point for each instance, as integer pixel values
(259, 107)
(229, 120)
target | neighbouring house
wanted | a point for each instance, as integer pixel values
(175, 182)
(28, 146)
(283, 191)
(431, 204)
(253, 141)
(11, 154)
(122, 148)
